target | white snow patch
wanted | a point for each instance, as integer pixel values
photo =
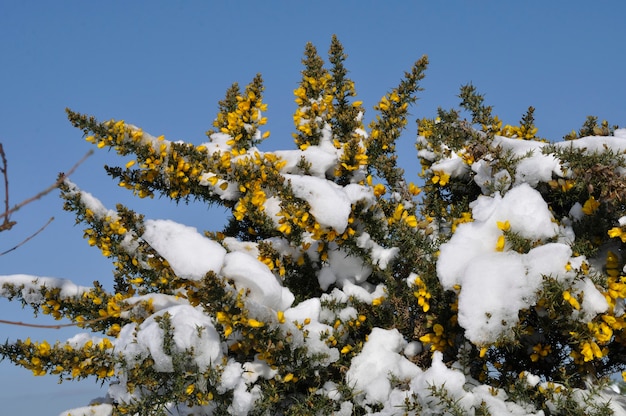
(329, 203)
(250, 273)
(380, 359)
(189, 253)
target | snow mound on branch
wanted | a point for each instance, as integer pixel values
(320, 160)
(343, 267)
(470, 261)
(192, 331)
(31, 287)
(104, 409)
(380, 358)
(189, 253)
(249, 273)
(330, 203)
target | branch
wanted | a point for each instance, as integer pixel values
(2, 321)
(45, 191)
(7, 224)
(27, 239)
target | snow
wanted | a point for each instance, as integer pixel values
(321, 160)
(380, 256)
(189, 253)
(470, 260)
(329, 203)
(192, 330)
(380, 358)
(253, 275)
(30, 286)
(95, 410)
(343, 268)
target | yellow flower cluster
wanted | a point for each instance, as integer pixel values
(422, 294)
(519, 132)
(296, 216)
(274, 264)
(101, 237)
(591, 206)
(90, 359)
(569, 298)
(118, 133)
(589, 350)
(425, 127)
(401, 214)
(353, 157)
(244, 120)
(52, 305)
(501, 242)
(387, 126)
(616, 289)
(440, 178)
(436, 339)
(604, 328)
(563, 184)
(253, 199)
(618, 232)
(540, 352)
(235, 320)
(315, 107)
(341, 335)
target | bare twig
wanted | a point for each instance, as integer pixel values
(47, 190)
(7, 224)
(27, 239)
(2, 321)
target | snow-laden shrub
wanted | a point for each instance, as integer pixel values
(338, 287)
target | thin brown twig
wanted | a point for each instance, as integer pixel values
(27, 239)
(48, 189)
(2, 321)
(7, 224)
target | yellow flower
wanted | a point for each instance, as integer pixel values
(617, 232)
(483, 351)
(571, 299)
(591, 206)
(500, 243)
(411, 221)
(43, 349)
(377, 301)
(540, 351)
(504, 226)
(253, 323)
(384, 103)
(440, 178)
(379, 190)
(591, 350)
(414, 190)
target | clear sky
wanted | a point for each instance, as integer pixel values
(163, 65)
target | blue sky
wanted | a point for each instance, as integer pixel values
(164, 65)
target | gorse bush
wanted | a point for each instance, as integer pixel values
(340, 287)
